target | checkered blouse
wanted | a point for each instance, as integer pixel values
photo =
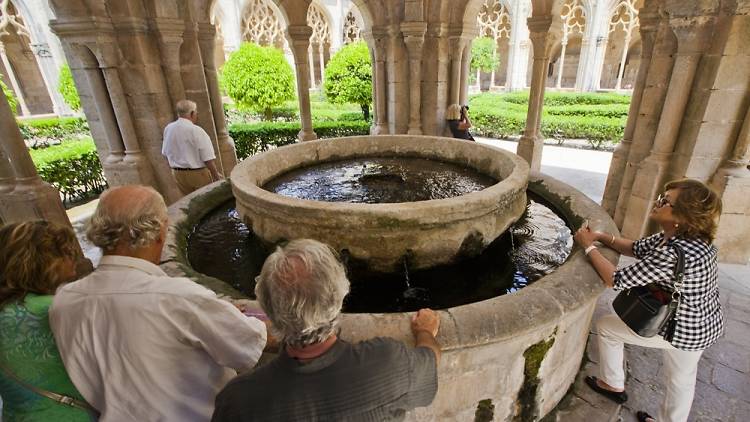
(700, 320)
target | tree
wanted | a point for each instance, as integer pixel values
(483, 57)
(348, 77)
(258, 78)
(10, 97)
(67, 88)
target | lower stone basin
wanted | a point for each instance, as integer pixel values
(521, 351)
(428, 232)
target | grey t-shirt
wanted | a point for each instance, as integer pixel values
(375, 380)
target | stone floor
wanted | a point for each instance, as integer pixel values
(723, 387)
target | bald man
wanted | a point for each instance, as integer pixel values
(140, 345)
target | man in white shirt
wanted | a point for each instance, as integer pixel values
(188, 150)
(140, 345)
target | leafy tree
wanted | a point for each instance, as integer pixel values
(482, 57)
(348, 77)
(9, 96)
(67, 88)
(258, 78)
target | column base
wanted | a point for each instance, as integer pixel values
(228, 154)
(39, 201)
(646, 186)
(615, 177)
(530, 149)
(414, 131)
(379, 129)
(303, 136)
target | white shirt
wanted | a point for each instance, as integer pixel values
(186, 145)
(142, 346)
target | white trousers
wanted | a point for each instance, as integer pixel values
(681, 367)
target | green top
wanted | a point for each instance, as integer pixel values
(28, 349)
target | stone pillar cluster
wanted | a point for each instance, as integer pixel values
(689, 118)
(131, 64)
(23, 194)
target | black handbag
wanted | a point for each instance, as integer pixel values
(648, 309)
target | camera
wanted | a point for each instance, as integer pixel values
(464, 108)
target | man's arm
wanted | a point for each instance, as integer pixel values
(425, 325)
(215, 175)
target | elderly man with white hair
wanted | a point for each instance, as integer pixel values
(140, 345)
(318, 376)
(188, 150)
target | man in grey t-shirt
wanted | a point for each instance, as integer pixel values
(318, 376)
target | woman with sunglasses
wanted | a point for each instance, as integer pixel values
(35, 258)
(687, 214)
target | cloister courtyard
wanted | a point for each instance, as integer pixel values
(611, 98)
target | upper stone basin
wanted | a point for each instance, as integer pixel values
(428, 232)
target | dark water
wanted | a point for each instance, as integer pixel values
(380, 180)
(222, 246)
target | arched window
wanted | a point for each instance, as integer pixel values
(260, 24)
(624, 20)
(320, 41)
(573, 17)
(494, 22)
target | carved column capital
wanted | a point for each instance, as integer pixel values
(693, 34)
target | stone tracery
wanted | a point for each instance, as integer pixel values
(494, 22)
(260, 25)
(352, 28)
(625, 18)
(573, 17)
(320, 41)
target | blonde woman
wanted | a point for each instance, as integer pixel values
(458, 121)
(687, 213)
(35, 258)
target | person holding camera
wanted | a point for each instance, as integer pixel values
(458, 121)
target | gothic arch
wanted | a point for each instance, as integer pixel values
(619, 65)
(352, 26)
(564, 58)
(263, 24)
(320, 41)
(20, 50)
(494, 21)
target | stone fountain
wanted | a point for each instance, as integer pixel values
(519, 352)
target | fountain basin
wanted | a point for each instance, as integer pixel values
(522, 351)
(430, 232)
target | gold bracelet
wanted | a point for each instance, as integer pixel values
(612, 242)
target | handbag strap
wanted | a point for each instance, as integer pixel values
(679, 273)
(59, 398)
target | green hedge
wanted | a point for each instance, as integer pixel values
(598, 118)
(250, 139)
(72, 167)
(57, 128)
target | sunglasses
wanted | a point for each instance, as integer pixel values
(662, 201)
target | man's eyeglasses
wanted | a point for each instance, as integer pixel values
(662, 201)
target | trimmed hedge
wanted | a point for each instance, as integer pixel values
(57, 128)
(250, 139)
(598, 118)
(72, 167)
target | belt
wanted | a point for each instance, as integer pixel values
(184, 169)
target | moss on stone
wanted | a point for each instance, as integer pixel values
(533, 358)
(485, 411)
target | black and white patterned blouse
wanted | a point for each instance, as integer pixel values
(700, 320)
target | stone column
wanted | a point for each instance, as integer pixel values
(649, 112)
(31, 198)
(561, 67)
(169, 33)
(14, 82)
(298, 37)
(732, 181)
(457, 46)
(227, 153)
(414, 40)
(311, 60)
(693, 35)
(624, 57)
(531, 143)
(648, 24)
(377, 38)
(463, 95)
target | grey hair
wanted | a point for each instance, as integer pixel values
(301, 288)
(138, 221)
(453, 112)
(185, 107)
